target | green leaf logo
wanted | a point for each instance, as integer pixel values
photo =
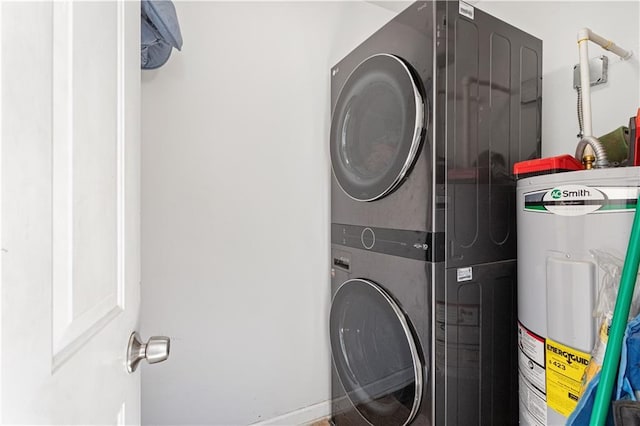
(556, 193)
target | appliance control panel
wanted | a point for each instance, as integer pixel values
(417, 245)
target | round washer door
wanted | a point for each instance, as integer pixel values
(375, 354)
(376, 127)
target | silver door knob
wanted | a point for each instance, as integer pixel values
(155, 350)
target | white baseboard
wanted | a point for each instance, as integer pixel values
(303, 416)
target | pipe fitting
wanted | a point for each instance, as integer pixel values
(585, 34)
(602, 160)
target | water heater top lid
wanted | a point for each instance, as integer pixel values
(545, 166)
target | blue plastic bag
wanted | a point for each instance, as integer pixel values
(628, 378)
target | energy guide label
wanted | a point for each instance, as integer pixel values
(565, 367)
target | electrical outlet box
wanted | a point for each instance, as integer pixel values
(597, 71)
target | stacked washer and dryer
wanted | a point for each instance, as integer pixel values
(428, 117)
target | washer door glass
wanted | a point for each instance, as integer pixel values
(376, 128)
(375, 354)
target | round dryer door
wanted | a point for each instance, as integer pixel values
(375, 354)
(376, 127)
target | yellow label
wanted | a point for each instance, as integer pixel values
(565, 367)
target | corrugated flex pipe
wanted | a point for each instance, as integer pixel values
(618, 325)
(601, 155)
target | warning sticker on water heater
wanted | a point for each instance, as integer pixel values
(533, 407)
(533, 372)
(565, 367)
(531, 345)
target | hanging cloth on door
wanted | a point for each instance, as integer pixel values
(160, 32)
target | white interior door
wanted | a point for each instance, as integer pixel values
(70, 260)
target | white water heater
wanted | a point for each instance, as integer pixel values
(562, 217)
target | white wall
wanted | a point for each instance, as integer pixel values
(557, 24)
(235, 220)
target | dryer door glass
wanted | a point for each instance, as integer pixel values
(376, 127)
(375, 354)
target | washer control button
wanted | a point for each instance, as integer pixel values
(368, 238)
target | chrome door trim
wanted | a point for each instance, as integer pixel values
(417, 130)
(415, 357)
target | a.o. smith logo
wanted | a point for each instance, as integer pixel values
(576, 200)
(558, 193)
(572, 200)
